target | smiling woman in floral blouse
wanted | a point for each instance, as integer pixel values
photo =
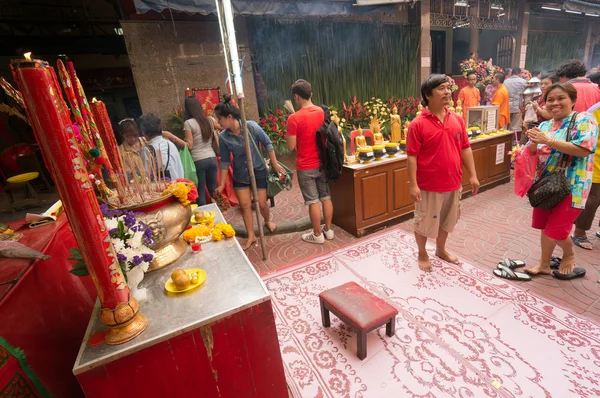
(549, 143)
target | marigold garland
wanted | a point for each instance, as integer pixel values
(184, 190)
(219, 232)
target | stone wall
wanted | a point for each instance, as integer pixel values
(168, 57)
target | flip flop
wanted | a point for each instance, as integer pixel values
(555, 262)
(577, 273)
(580, 240)
(598, 234)
(507, 273)
(512, 264)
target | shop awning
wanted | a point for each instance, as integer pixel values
(280, 8)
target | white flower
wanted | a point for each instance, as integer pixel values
(111, 223)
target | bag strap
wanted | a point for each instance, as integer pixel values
(256, 146)
(565, 160)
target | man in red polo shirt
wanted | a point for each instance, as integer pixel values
(301, 131)
(437, 147)
(588, 93)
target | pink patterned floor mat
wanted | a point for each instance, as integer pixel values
(460, 332)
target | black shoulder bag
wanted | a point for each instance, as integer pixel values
(554, 187)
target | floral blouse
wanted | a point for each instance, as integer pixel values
(579, 170)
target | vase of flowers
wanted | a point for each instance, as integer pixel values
(167, 217)
(133, 242)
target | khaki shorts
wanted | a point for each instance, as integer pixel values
(437, 210)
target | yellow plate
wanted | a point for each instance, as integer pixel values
(23, 177)
(170, 286)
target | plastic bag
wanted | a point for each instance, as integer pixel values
(189, 168)
(530, 115)
(525, 170)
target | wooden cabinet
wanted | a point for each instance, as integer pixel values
(371, 195)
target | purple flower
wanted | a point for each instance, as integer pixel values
(147, 257)
(129, 219)
(113, 231)
(137, 260)
(121, 257)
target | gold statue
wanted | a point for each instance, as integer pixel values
(359, 141)
(336, 120)
(451, 107)
(419, 109)
(459, 110)
(405, 132)
(395, 125)
(376, 130)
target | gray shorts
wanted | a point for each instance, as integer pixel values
(313, 185)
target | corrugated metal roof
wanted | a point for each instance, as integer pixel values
(288, 8)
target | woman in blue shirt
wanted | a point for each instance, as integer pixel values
(231, 142)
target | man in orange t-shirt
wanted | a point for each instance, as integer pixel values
(470, 95)
(501, 99)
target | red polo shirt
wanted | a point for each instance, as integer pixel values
(304, 125)
(438, 148)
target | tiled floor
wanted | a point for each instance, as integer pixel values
(494, 225)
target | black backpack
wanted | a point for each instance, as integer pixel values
(331, 147)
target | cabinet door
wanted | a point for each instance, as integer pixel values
(480, 159)
(401, 198)
(374, 194)
(499, 159)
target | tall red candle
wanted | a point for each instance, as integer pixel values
(107, 134)
(54, 133)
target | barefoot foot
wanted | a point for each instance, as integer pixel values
(444, 255)
(424, 263)
(271, 226)
(540, 269)
(249, 243)
(568, 264)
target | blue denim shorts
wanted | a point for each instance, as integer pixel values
(261, 181)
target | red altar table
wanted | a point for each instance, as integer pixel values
(45, 309)
(218, 340)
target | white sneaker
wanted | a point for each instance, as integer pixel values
(329, 234)
(311, 238)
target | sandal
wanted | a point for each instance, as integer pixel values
(512, 264)
(582, 240)
(598, 234)
(507, 273)
(555, 262)
(577, 273)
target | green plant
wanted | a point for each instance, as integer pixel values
(356, 114)
(546, 50)
(175, 120)
(339, 59)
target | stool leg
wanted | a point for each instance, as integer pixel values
(390, 328)
(325, 315)
(361, 337)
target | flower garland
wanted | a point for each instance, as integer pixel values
(217, 233)
(184, 190)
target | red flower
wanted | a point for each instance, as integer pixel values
(280, 134)
(263, 120)
(279, 112)
(275, 127)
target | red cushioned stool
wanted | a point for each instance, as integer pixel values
(360, 310)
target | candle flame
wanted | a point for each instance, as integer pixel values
(27, 56)
(94, 100)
